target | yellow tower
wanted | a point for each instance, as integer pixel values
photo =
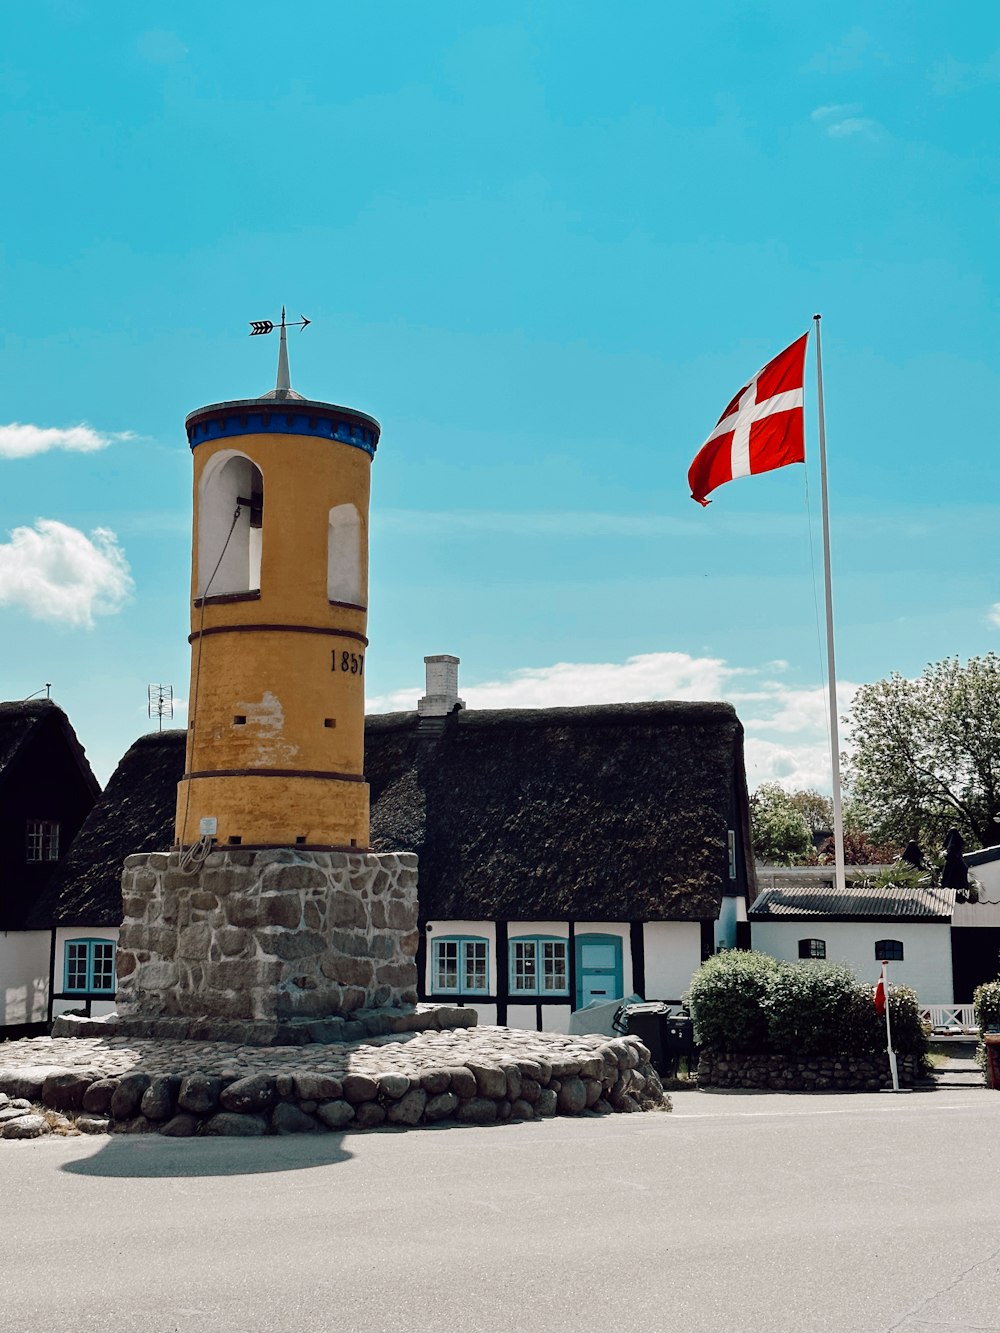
(279, 598)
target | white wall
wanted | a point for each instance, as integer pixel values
(484, 930)
(926, 965)
(672, 952)
(24, 976)
(673, 956)
(64, 933)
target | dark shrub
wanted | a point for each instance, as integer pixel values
(986, 998)
(813, 1009)
(750, 1002)
(726, 1001)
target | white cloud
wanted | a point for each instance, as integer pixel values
(59, 574)
(842, 121)
(787, 730)
(836, 111)
(845, 129)
(993, 615)
(19, 440)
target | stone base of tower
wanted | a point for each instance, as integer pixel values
(267, 937)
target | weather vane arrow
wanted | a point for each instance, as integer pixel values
(258, 326)
(283, 384)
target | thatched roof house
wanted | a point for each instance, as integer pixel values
(135, 814)
(609, 844)
(47, 787)
(618, 811)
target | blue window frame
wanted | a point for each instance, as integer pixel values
(460, 965)
(599, 973)
(538, 965)
(90, 966)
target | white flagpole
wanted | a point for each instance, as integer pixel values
(888, 1030)
(838, 812)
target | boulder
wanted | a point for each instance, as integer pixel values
(250, 1095)
(336, 1114)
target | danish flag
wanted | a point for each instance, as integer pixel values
(880, 993)
(760, 430)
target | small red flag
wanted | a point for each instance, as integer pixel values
(880, 993)
(760, 430)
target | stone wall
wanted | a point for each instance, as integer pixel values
(265, 935)
(466, 1075)
(785, 1073)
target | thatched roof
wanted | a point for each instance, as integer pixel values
(617, 812)
(135, 814)
(22, 720)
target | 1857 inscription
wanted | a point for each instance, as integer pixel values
(354, 663)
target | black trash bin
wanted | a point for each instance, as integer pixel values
(678, 1043)
(648, 1022)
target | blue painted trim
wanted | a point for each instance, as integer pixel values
(617, 971)
(461, 941)
(538, 940)
(89, 942)
(319, 422)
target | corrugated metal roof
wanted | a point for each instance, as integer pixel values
(884, 900)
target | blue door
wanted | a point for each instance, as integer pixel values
(598, 968)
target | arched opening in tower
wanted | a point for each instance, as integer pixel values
(230, 526)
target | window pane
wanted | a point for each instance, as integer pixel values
(104, 966)
(42, 841)
(76, 965)
(525, 974)
(475, 965)
(51, 842)
(889, 950)
(554, 971)
(446, 965)
(34, 840)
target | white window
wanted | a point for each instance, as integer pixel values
(90, 966)
(42, 840)
(460, 966)
(539, 966)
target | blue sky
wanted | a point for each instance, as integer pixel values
(544, 245)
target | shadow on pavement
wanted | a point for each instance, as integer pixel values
(150, 1156)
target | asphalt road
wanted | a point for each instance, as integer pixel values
(738, 1211)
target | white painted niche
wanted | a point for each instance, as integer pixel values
(230, 479)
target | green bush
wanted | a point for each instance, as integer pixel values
(750, 1002)
(812, 1009)
(726, 1001)
(986, 999)
(909, 1035)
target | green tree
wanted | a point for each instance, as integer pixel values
(815, 808)
(926, 754)
(781, 835)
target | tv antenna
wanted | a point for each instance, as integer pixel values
(160, 702)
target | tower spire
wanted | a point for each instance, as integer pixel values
(283, 385)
